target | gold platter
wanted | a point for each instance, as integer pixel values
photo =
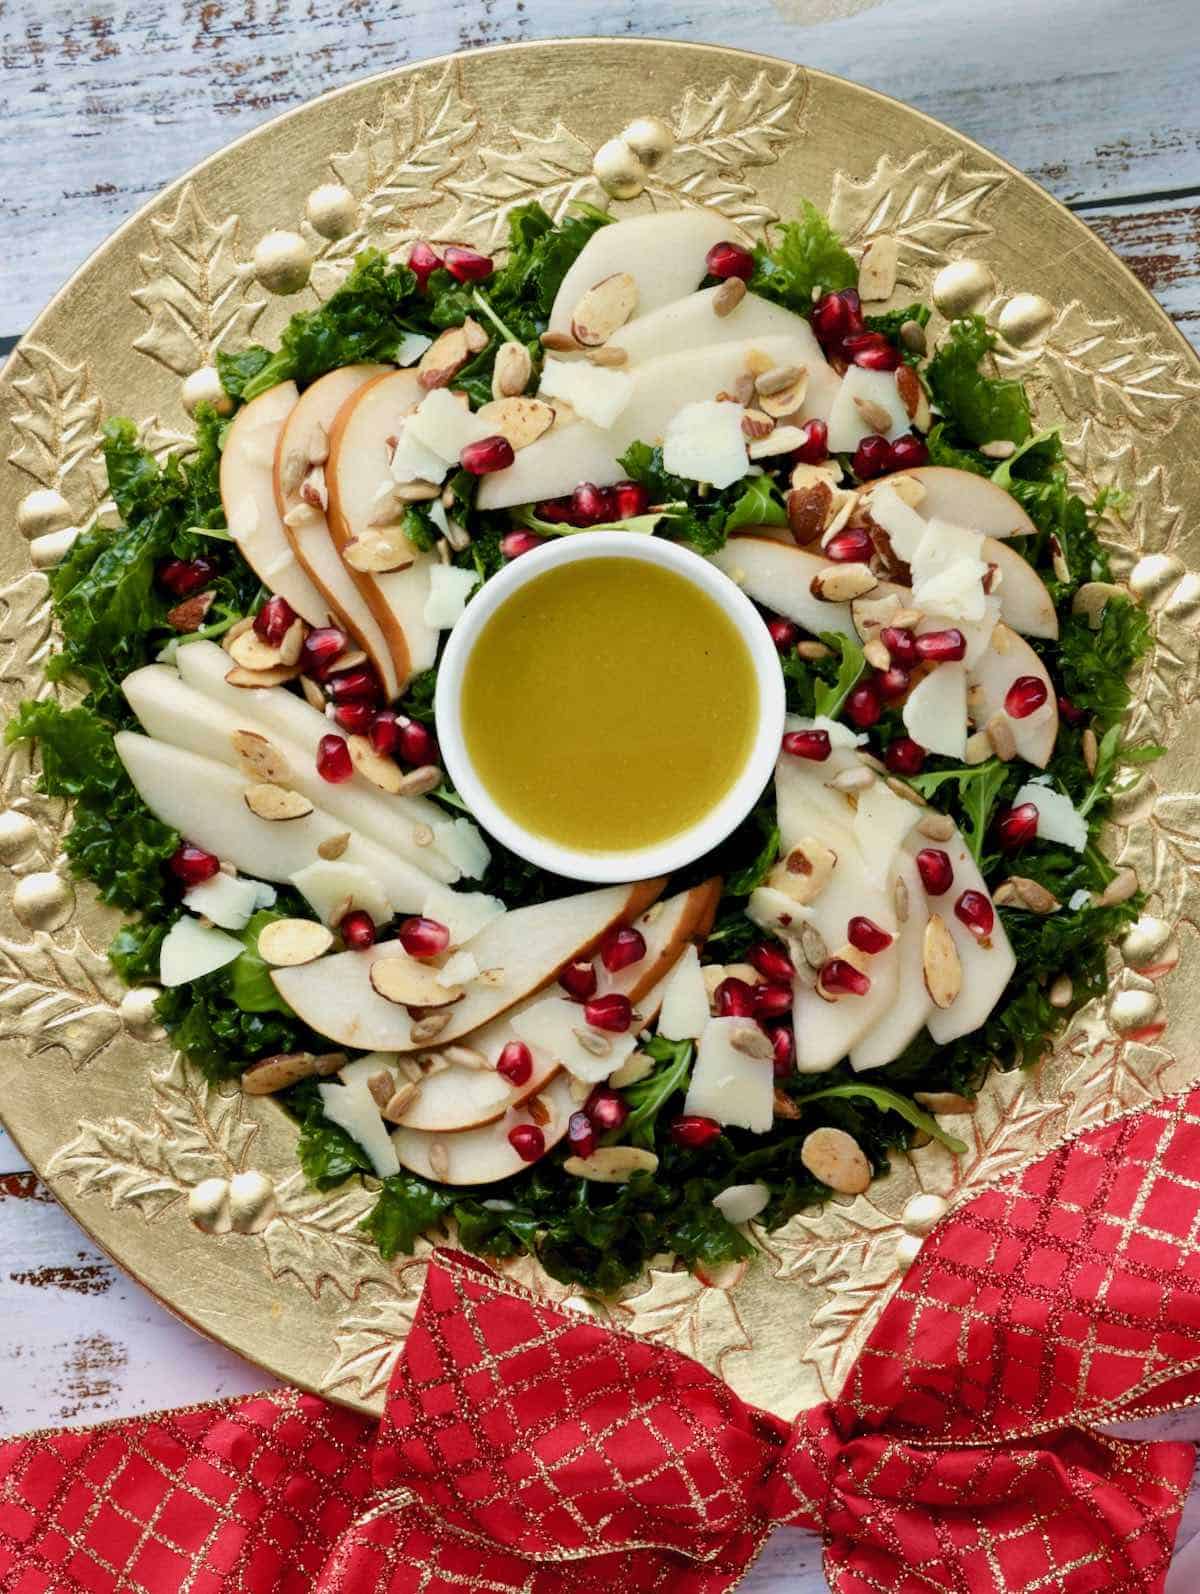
(196, 1191)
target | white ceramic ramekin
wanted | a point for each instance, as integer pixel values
(678, 850)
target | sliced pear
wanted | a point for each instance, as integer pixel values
(664, 253)
(203, 800)
(1008, 658)
(911, 1004)
(191, 949)
(355, 471)
(882, 822)
(529, 946)
(733, 1077)
(205, 723)
(779, 576)
(552, 467)
(484, 1155)
(332, 888)
(935, 711)
(554, 1026)
(847, 423)
(668, 929)
(1025, 604)
(313, 416)
(986, 970)
(248, 497)
(807, 804)
(969, 500)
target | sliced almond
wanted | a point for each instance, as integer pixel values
(940, 962)
(946, 1102)
(258, 759)
(1092, 598)
(611, 1164)
(237, 629)
(636, 1066)
(333, 846)
(411, 984)
(273, 802)
(728, 296)
(1061, 991)
(270, 1074)
(877, 656)
(418, 782)
(874, 415)
(609, 356)
(286, 943)
(607, 305)
(756, 423)
(313, 490)
(380, 771)
(877, 269)
(276, 677)
(521, 420)
(783, 400)
(806, 870)
(780, 441)
(378, 555)
(293, 643)
(250, 652)
(444, 358)
(313, 694)
(558, 342)
(1020, 892)
(840, 583)
(836, 1159)
(908, 385)
(301, 514)
(189, 615)
(936, 827)
(511, 370)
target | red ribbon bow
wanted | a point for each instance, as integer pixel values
(528, 1448)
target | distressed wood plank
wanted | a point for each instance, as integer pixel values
(1161, 244)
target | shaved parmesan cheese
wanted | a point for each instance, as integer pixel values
(1079, 899)
(556, 1031)
(411, 347)
(729, 1085)
(741, 1202)
(458, 969)
(413, 462)
(948, 571)
(847, 428)
(775, 911)
(228, 900)
(190, 950)
(351, 1106)
(464, 913)
(935, 713)
(977, 634)
(1058, 818)
(444, 425)
(594, 392)
(449, 589)
(705, 443)
(461, 842)
(684, 1012)
(882, 821)
(332, 888)
(904, 526)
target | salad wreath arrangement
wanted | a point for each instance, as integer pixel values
(597, 1077)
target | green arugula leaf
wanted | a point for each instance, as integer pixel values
(250, 982)
(649, 1096)
(829, 698)
(978, 785)
(976, 407)
(759, 505)
(804, 259)
(889, 1101)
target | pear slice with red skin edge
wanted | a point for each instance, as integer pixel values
(911, 1004)
(530, 946)
(988, 681)
(485, 1155)
(248, 498)
(356, 469)
(779, 575)
(986, 970)
(310, 539)
(965, 499)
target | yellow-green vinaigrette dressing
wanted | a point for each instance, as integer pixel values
(609, 704)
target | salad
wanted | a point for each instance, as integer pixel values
(600, 1076)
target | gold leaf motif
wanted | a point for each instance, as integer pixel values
(315, 1238)
(681, 1310)
(59, 996)
(58, 427)
(550, 170)
(197, 292)
(1112, 1073)
(369, 1338)
(930, 209)
(25, 640)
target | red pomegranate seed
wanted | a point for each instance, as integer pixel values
(423, 938)
(273, 620)
(842, 977)
(356, 718)
(182, 577)
(936, 870)
(904, 756)
(784, 634)
(771, 961)
(622, 946)
(581, 1137)
(630, 499)
(866, 935)
(1075, 717)
(555, 510)
(893, 683)
(814, 450)
(871, 350)
(734, 998)
(321, 651)
(1017, 826)
(909, 452)
(528, 1141)
(872, 458)
(423, 262)
(192, 864)
(418, 744)
(977, 913)
(385, 732)
(605, 1109)
(358, 930)
(694, 1132)
(333, 760)
(515, 1063)
(836, 316)
(612, 1012)
(851, 546)
(360, 685)
(591, 504)
(1025, 696)
(941, 647)
(901, 646)
(807, 744)
(863, 706)
(772, 1001)
(486, 455)
(468, 265)
(514, 543)
(729, 260)
(578, 979)
(784, 1042)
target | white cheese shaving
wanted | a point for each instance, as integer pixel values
(556, 1030)
(228, 900)
(458, 969)
(352, 1107)
(594, 392)
(705, 443)
(411, 347)
(332, 888)
(1058, 818)
(904, 526)
(948, 572)
(449, 589)
(461, 843)
(684, 1012)
(190, 950)
(737, 1090)
(935, 712)
(443, 424)
(1079, 899)
(413, 462)
(740, 1203)
(464, 913)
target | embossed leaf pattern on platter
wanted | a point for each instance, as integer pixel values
(59, 997)
(1113, 1073)
(57, 427)
(679, 1309)
(368, 1338)
(548, 169)
(25, 640)
(315, 1238)
(932, 208)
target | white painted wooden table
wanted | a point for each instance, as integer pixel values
(103, 103)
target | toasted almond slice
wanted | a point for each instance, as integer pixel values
(293, 642)
(477, 340)
(782, 440)
(276, 677)
(411, 984)
(836, 1159)
(286, 943)
(809, 509)
(314, 491)
(258, 759)
(269, 801)
(756, 423)
(978, 749)
(250, 652)
(382, 772)
(877, 269)
(874, 415)
(877, 656)
(301, 514)
(912, 396)
(378, 555)
(611, 1164)
(947, 1102)
(333, 846)
(840, 583)
(190, 614)
(444, 358)
(1020, 892)
(785, 400)
(728, 296)
(940, 962)
(521, 420)
(270, 1074)
(237, 629)
(605, 306)
(511, 370)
